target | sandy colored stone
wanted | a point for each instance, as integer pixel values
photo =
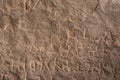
(59, 39)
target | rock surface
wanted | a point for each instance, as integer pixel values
(59, 39)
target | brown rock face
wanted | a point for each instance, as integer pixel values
(59, 39)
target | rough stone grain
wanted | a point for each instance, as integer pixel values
(59, 39)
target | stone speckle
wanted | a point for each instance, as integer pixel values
(59, 39)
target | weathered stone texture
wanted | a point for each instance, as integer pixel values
(59, 39)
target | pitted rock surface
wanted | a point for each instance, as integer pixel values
(59, 39)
